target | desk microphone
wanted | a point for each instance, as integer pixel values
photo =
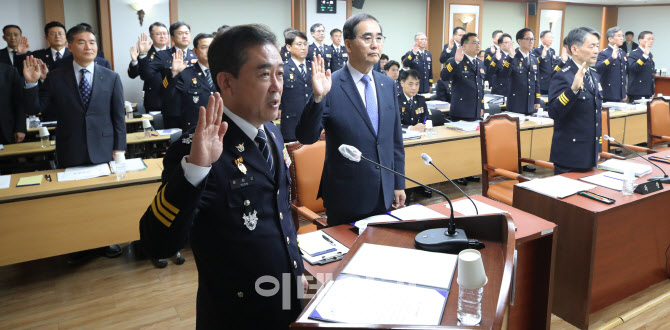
(429, 161)
(663, 179)
(437, 240)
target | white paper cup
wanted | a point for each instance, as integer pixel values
(629, 174)
(471, 273)
(146, 123)
(44, 131)
(429, 123)
(119, 157)
(129, 108)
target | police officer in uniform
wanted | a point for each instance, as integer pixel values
(297, 84)
(449, 49)
(285, 53)
(318, 47)
(225, 190)
(146, 48)
(490, 53)
(192, 87)
(499, 84)
(521, 68)
(546, 57)
(467, 75)
(611, 66)
(413, 108)
(421, 60)
(160, 68)
(575, 101)
(340, 55)
(641, 69)
(392, 70)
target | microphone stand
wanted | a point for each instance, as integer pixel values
(663, 179)
(457, 187)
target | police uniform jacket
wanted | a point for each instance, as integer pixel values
(239, 226)
(156, 71)
(545, 66)
(641, 80)
(340, 58)
(413, 111)
(294, 97)
(285, 53)
(467, 82)
(327, 54)
(524, 83)
(443, 90)
(499, 84)
(577, 137)
(489, 56)
(446, 54)
(422, 62)
(612, 74)
(189, 91)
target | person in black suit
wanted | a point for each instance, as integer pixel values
(87, 99)
(12, 115)
(413, 108)
(499, 84)
(158, 69)
(629, 45)
(490, 52)
(611, 66)
(641, 69)
(285, 53)
(297, 84)
(521, 68)
(448, 50)
(54, 33)
(17, 47)
(467, 73)
(146, 48)
(226, 190)
(361, 109)
(575, 102)
(546, 57)
(340, 55)
(392, 70)
(318, 47)
(193, 86)
(421, 60)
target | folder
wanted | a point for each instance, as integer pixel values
(30, 181)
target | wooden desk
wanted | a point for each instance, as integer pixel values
(25, 148)
(138, 137)
(662, 85)
(535, 242)
(605, 252)
(37, 129)
(56, 218)
(138, 120)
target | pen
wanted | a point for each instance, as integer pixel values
(611, 177)
(328, 240)
(47, 177)
(424, 120)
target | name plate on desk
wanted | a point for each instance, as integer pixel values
(648, 187)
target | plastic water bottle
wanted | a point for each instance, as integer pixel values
(429, 128)
(628, 182)
(120, 165)
(470, 306)
(471, 281)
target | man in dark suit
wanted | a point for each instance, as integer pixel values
(12, 115)
(467, 73)
(641, 69)
(297, 84)
(17, 47)
(629, 45)
(611, 66)
(192, 87)
(449, 49)
(521, 68)
(226, 191)
(88, 103)
(158, 69)
(361, 109)
(340, 55)
(575, 102)
(54, 33)
(499, 84)
(413, 108)
(318, 47)
(159, 38)
(490, 52)
(546, 57)
(421, 60)
(285, 53)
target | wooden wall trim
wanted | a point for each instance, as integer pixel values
(349, 7)
(435, 32)
(299, 15)
(551, 5)
(54, 11)
(610, 19)
(105, 20)
(174, 11)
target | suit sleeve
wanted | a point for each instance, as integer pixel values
(172, 96)
(117, 114)
(635, 64)
(17, 103)
(561, 96)
(559, 65)
(133, 70)
(492, 69)
(398, 149)
(310, 124)
(408, 61)
(603, 62)
(445, 54)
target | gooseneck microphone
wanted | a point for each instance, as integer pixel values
(437, 240)
(429, 161)
(663, 179)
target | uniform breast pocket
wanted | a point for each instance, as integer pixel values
(289, 85)
(239, 198)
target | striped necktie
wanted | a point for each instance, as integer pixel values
(371, 103)
(302, 72)
(262, 141)
(209, 79)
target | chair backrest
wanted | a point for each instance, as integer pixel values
(499, 137)
(658, 121)
(306, 168)
(605, 124)
(157, 123)
(437, 117)
(493, 109)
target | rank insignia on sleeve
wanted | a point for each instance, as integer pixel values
(409, 57)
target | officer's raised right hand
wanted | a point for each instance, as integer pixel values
(143, 44)
(564, 54)
(579, 77)
(321, 79)
(459, 54)
(207, 143)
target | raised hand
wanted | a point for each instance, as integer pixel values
(512, 52)
(133, 53)
(178, 64)
(321, 79)
(43, 68)
(143, 43)
(493, 49)
(451, 43)
(615, 51)
(207, 143)
(459, 54)
(578, 82)
(415, 49)
(564, 54)
(32, 70)
(23, 47)
(646, 50)
(544, 51)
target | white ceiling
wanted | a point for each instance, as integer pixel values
(618, 2)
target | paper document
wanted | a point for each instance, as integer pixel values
(437, 104)
(84, 172)
(30, 181)
(168, 131)
(610, 180)
(556, 186)
(416, 212)
(617, 165)
(4, 181)
(463, 126)
(465, 207)
(132, 165)
(521, 116)
(314, 241)
(410, 134)
(363, 223)
(540, 120)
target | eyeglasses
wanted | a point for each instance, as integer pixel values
(56, 34)
(161, 34)
(528, 39)
(422, 39)
(367, 39)
(473, 43)
(299, 44)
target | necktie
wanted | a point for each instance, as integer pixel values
(209, 79)
(321, 50)
(302, 72)
(13, 57)
(589, 80)
(58, 56)
(262, 141)
(371, 103)
(84, 88)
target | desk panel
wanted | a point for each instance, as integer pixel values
(456, 158)
(617, 127)
(541, 145)
(636, 129)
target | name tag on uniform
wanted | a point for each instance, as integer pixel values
(534, 67)
(345, 55)
(246, 181)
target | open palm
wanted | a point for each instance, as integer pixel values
(207, 143)
(321, 79)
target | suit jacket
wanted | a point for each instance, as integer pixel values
(423, 64)
(84, 135)
(489, 56)
(156, 71)
(545, 65)
(12, 115)
(612, 74)
(443, 90)
(294, 97)
(46, 56)
(340, 58)
(412, 112)
(625, 47)
(524, 83)
(446, 54)
(327, 54)
(467, 92)
(18, 60)
(352, 190)
(641, 80)
(211, 216)
(183, 98)
(577, 140)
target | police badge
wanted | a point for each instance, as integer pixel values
(250, 220)
(196, 98)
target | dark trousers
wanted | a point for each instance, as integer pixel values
(338, 217)
(558, 169)
(172, 121)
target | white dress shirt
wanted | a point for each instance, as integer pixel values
(360, 85)
(89, 74)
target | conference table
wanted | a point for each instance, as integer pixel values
(605, 252)
(535, 246)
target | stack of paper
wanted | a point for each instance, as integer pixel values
(416, 212)
(540, 120)
(606, 179)
(437, 104)
(84, 172)
(132, 165)
(4, 181)
(619, 106)
(617, 165)
(318, 247)
(30, 181)
(363, 223)
(408, 134)
(168, 131)
(556, 186)
(465, 207)
(463, 126)
(494, 99)
(521, 116)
